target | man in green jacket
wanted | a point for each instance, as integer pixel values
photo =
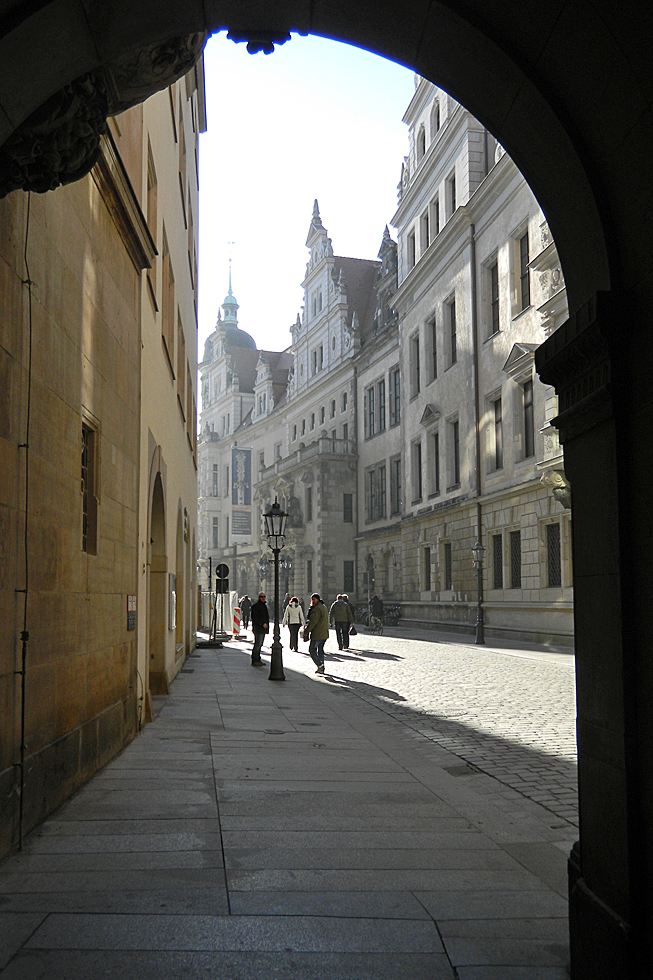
(318, 628)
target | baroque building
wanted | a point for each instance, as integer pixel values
(98, 492)
(406, 420)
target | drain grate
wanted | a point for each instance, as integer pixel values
(187, 670)
(273, 731)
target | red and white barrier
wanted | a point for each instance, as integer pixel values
(236, 620)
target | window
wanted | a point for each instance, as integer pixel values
(314, 361)
(332, 412)
(431, 350)
(524, 279)
(334, 436)
(451, 193)
(395, 397)
(309, 575)
(214, 491)
(424, 232)
(320, 351)
(345, 433)
(226, 481)
(553, 563)
(454, 454)
(261, 459)
(497, 561)
(421, 143)
(494, 433)
(416, 461)
(529, 420)
(414, 366)
(167, 303)
(322, 415)
(427, 569)
(181, 366)
(435, 216)
(380, 390)
(343, 402)
(309, 503)
(312, 421)
(152, 195)
(215, 529)
(294, 433)
(435, 118)
(368, 409)
(277, 451)
(395, 485)
(435, 463)
(375, 496)
(452, 332)
(348, 508)
(303, 427)
(89, 488)
(410, 249)
(348, 576)
(515, 559)
(448, 576)
(493, 272)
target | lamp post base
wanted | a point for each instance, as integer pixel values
(276, 658)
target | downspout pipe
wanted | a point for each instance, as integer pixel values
(480, 626)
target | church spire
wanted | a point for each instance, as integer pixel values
(230, 306)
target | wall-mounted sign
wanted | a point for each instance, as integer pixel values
(172, 601)
(241, 493)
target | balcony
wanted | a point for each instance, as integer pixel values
(324, 446)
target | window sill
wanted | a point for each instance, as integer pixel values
(414, 503)
(492, 336)
(454, 486)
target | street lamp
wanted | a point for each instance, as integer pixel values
(275, 527)
(285, 564)
(478, 552)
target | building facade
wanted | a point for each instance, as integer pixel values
(83, 448)
(406, 420)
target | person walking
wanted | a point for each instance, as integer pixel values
(340, 616)
(377, 607)
(294, 618)
(245, 608)
(260, 626)
(317, 627)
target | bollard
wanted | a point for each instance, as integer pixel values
(236, 621)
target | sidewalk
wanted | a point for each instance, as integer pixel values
(285, 830)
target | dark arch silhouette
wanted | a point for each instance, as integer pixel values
(567, 88)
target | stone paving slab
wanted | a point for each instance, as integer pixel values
(378, 904)
(176, 900)
(15, 929)
(281, 965)
(321, 858)
(234, 933)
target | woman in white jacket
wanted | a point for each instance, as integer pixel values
(294, 619)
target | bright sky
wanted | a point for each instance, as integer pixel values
(316, 119)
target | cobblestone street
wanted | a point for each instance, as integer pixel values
(508, 713)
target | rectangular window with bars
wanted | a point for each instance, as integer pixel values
(427, 569)
(309, 503)
(497, 561)
(215, 530)
(515, 559)
(529, 419)
(348, 508)
(395, 485)
(494, 298)
(381, 404)
(214, 488)
(524, 280)
(553, 558)
(448, 570)
(89, 489)
(348, 576)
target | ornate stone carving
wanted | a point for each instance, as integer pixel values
(559, 486)
(259, 40)
(60, 141)
(135, 77)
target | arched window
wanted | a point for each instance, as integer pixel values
(421, 143)
(435, 118)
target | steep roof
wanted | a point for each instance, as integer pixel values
(360, 277)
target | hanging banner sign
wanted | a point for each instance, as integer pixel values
(241, 493)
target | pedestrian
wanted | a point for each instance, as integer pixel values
(377, 607)
(341, 617)
(294, 618)
(245, 608)
(317, 628)
(260, 626)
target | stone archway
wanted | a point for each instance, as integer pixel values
(180, 586)
(567, 89)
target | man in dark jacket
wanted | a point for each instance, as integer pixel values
(341, 617)
(317, 626)
(260, 626)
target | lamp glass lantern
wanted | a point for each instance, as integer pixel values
(275, 526)
(478, 552)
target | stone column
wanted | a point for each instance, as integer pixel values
(609, 887)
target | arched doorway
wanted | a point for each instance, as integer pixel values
(180, 587)
(158, 568)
